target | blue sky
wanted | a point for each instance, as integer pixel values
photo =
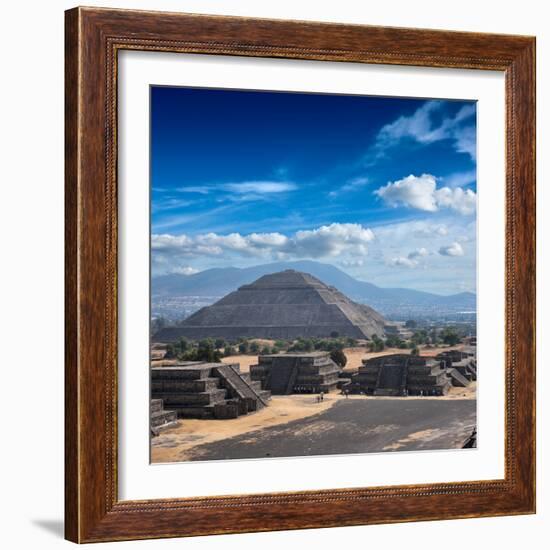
(383, 188)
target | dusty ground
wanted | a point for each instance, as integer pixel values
(244, 361)
(174, 445)
(358, 426)
(298, 419)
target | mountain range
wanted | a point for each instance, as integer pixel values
(217, 282)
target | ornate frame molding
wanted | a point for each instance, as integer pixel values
(93, 38)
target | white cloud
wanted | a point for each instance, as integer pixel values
(401, 261)
(242, 188)
(330, 240)
(463, 201)
(414, 191)
(424, 126)
(454, 249)
(429, 230)
(421, 192)
(326, 241)
(418, 253)
(185, 270)
(411, 260)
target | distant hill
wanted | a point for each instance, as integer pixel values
(215, 283)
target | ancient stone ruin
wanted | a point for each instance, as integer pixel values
(461, 366)
(160, 418)
(400, 375)
(207, 390)
(286, 305)
(289, 373)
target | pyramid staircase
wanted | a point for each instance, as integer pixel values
(392, 379)
(249, 394)
(207, 390)
(288, 373)
(457, 378)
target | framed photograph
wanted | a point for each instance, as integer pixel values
(300, 275)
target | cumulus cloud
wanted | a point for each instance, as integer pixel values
(426, 126)
(326, 241)
(411, 260)
(414, 191)
(462, 200)
(401, 261)
(454, 249)
(421, 192)
(418, 253)
(429, 230)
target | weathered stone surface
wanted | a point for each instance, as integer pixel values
(283, 374)
(161, 419)
(288, 305)
(399, 375)
(206, 390)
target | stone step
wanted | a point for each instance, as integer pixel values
(177, 400)
(265, 395)
(156, 405)
(162, 418)
(185, 386)
(457, 379)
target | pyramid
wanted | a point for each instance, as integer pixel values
(284, 305)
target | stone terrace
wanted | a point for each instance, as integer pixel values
(283, 374)
(207, 390)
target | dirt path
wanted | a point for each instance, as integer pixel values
(175, 444)
(185, 440)
(355, 426)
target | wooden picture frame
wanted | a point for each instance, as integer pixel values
(93, 510)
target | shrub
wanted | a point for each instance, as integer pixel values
(339, 357)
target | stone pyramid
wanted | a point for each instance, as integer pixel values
(287, 305)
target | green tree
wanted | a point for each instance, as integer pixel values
(254, 347)
(183, 345)
(244, 347)
(450, 336)
(206, 351)
(308, 345)
(219, 343)
(376, 344)
(339, 357)
(393, 341)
